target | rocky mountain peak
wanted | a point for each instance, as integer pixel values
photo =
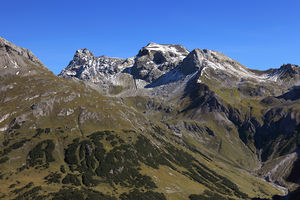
(81, 53)
(154, 60)
(16, 60)
(287, 72)
(9, 50)
(289, 68)
(85, 66)
(82, 56)
(192, 62)
(198, 59)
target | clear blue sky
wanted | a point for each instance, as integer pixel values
(258, 33)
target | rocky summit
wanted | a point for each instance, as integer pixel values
(168, 123)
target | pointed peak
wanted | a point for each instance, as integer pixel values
(14, 57)
(10, 47)
(83, 52)
(205, 52)
(199, 53)
(287, 71)
(192, 62)
(3, 41)
(7, 43)
(289, 67)
(196, 52)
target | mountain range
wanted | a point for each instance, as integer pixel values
(168, 123)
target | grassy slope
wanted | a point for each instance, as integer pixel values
(100, 113)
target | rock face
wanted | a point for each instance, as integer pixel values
(85, 66)
(15, 60)
(103, 73)
(9, 49)
(193, 62)
(293, 94)
(154, 60)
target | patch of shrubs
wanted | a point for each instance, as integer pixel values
(40, 131)
(207, 195)
(119, 166)
(19, 144)
(70, 153)
(42, 150)
(6, 142)
(201, 173)
(128, 131)
(158, 130)
(71, 179)
(193, 149)
(12, 185)
(215, 182)
(113, 143)
(110, 137)
(47, 130)
(53, 177)
(16, 126)
(29, 185)
(86, 156)
(234, 188)
(16, 145)
(149, 154)
(4, 159)
(87, 180)
(179, 156)
(65, 194)
(136, 194)
(99, 135)
(80, 194)
(31, 194)
(62, 169)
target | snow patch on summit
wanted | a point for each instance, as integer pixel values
(167, 49)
